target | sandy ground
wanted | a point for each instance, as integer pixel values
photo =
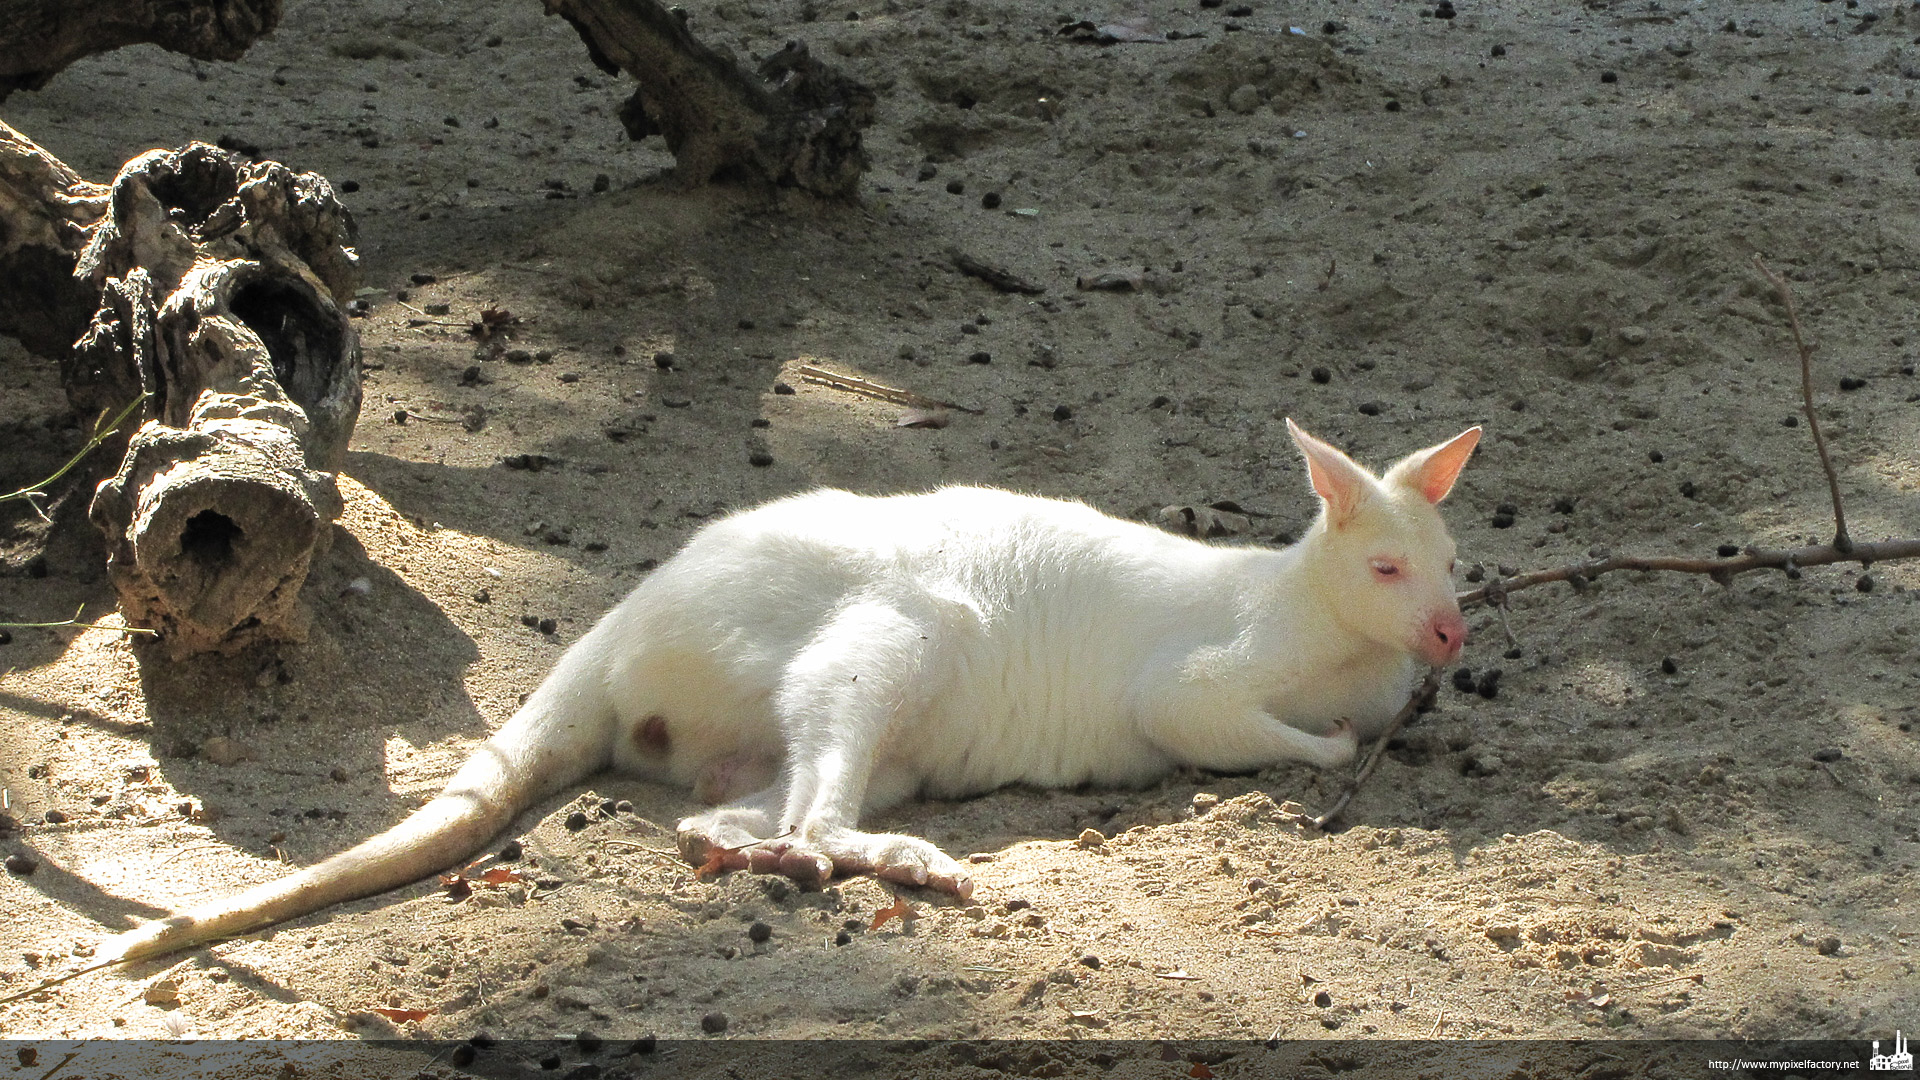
(1689, 811)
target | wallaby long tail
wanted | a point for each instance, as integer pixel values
(558, 738)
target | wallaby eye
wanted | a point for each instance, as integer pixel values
(1385, 568)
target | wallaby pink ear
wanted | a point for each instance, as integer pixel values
(1340, 483)
(1432, 471)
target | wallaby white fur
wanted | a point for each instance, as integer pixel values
(829, 653)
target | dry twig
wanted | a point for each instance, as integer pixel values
(1840, 538)
(1422, 694)
(854, 384)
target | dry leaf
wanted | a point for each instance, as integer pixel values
(1123, 279)
(897, 909)
(164, 992)
(493, 321)
(1200, 1071)
(404, 1016)
(500, 875)
(923, 418)
(457, 885)
(716, 864)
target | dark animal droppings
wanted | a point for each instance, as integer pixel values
(1322, 375)
(1489, 684)
(576, 821)
(1669, 667)
(511, 851)
(1463, 680)
(759, 932)
(759, 459)
(714, 1023)
(1727, 551)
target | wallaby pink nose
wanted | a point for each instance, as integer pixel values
(1446, 634)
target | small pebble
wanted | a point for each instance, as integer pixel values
(1828, 946)
(20, 864)
(576, 821)
(782, 388)
(56, 817)
(1090, 960)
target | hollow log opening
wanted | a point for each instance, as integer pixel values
(209, 540)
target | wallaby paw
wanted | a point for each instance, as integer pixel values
(1338, 748)
(717, 835)
(906, 860)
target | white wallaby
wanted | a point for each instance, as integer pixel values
(829, 654)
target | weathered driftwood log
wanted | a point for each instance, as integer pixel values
(215, 285)
(41, 37)
(797, 124)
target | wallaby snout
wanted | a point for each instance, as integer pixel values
(1446, 634)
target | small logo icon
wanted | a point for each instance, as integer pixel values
(1901, 1060)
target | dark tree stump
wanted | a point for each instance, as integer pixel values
(216, 286)
(41, 37)
(796, 124)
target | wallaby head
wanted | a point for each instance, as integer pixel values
(1379, 553)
